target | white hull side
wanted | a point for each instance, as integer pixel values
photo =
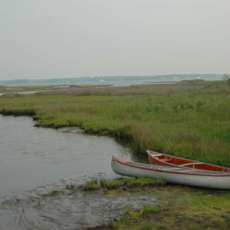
(217, 182)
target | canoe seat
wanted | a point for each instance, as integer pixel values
(164, 159)
(156, 154)
(191, 164)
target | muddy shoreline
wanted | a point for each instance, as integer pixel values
(68, 206)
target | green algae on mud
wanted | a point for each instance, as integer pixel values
(121, 183)
(186, 119)
(182, 208)
(176, 207)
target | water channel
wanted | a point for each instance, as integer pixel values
(38, 165)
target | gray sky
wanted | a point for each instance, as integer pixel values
(66, 38)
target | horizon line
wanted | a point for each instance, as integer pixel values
(98, 76)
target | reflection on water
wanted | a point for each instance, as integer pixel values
(35, 163)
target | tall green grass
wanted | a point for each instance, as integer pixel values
(193, 123)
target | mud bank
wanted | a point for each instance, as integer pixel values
(68, 209)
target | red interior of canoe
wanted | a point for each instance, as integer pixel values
(174, 161)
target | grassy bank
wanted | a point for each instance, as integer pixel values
(190, 119)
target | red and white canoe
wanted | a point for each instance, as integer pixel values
(169, 160)
(177, 175)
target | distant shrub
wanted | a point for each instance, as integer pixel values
(227, 79)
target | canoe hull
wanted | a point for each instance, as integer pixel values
(185, 177)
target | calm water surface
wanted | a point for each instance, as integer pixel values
(32, 157)
(40, 172)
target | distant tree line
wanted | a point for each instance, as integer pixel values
(226, 78)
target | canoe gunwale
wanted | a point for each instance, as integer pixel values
(199, 173)
(154, 155)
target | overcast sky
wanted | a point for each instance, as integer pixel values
(66, 38)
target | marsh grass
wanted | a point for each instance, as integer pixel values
(91, 185)
(189, 119)
(186, 119)
(121, 183)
